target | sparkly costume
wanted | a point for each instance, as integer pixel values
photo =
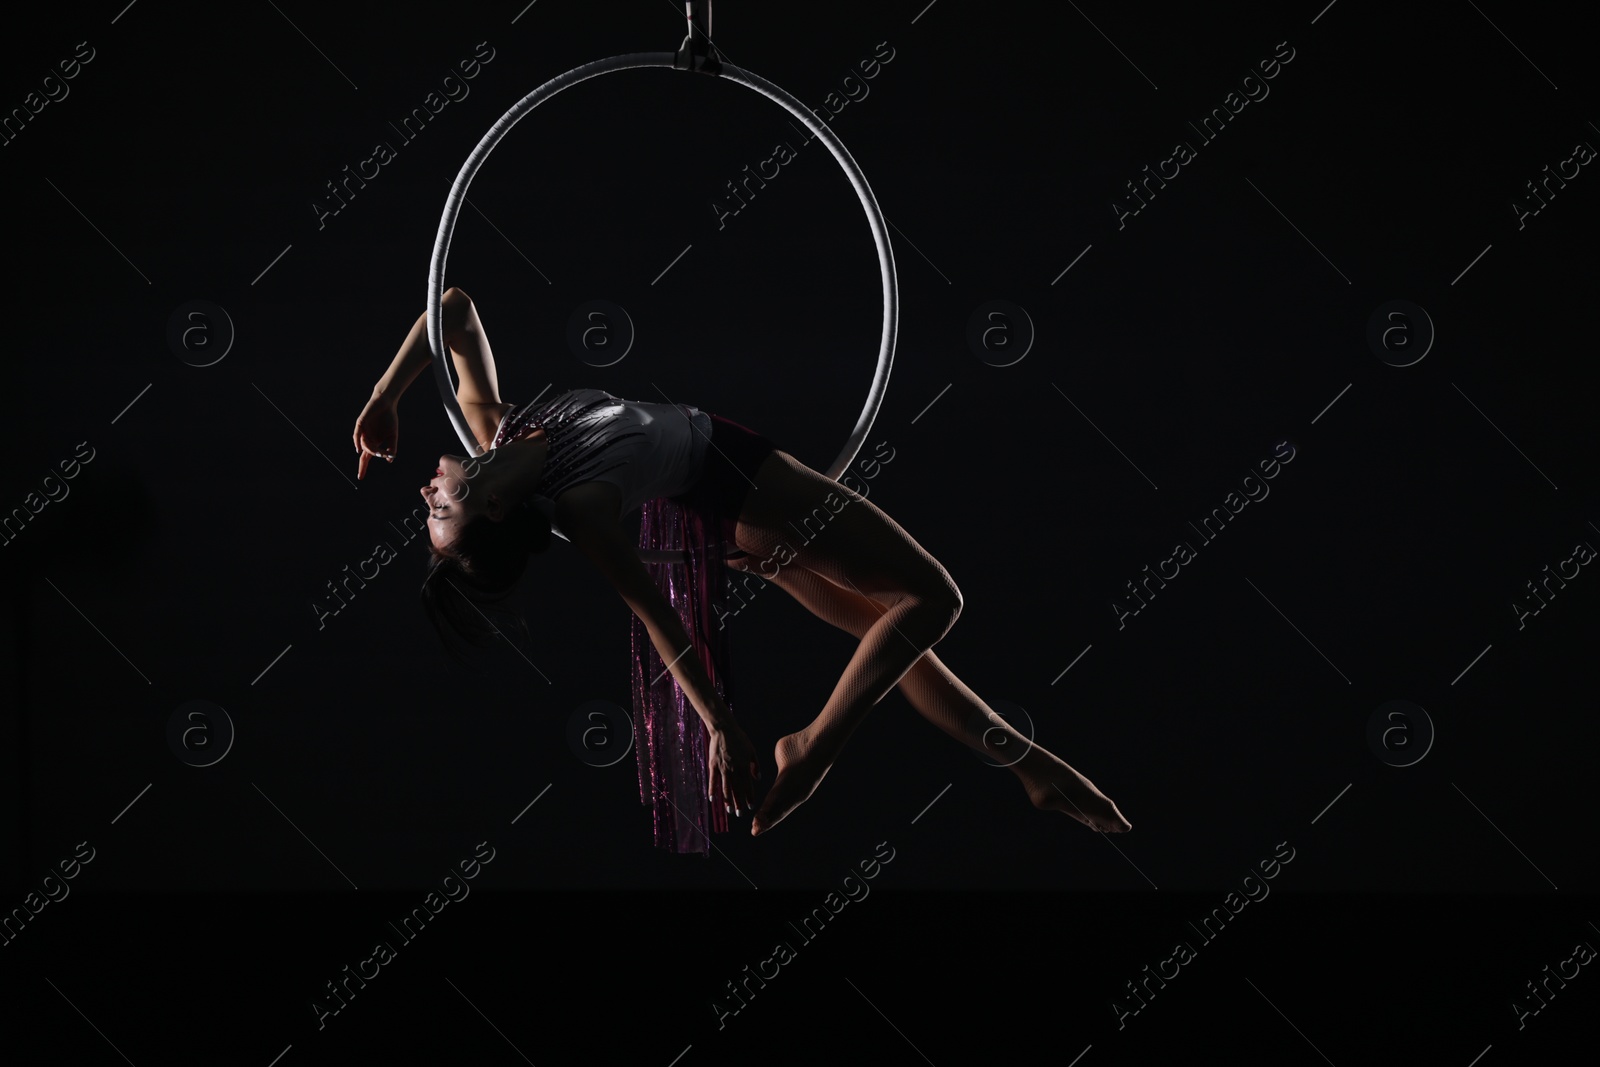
(645, 450)
(656, 455)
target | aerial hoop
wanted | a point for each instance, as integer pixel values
(703, 60)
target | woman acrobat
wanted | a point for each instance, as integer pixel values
(583, 459)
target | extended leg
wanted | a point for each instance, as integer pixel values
(946, 702)
(903, 602)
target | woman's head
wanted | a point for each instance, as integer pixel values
(483, 526)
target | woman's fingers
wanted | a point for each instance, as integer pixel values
(366, 455)
(736, 793)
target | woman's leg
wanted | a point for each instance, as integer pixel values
(795, 515)
(946, 702)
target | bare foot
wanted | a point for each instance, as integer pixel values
(800, 770)
(1068, 791)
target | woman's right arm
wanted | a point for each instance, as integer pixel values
(377, 431)
(463, 336)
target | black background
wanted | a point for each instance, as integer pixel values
(1228, 716)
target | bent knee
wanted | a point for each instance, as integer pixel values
(942, 600)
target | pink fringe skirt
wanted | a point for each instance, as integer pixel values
(670, 739)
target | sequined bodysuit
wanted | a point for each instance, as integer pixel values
(646, 450)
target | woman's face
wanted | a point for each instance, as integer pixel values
(464, 487)
(454, 497)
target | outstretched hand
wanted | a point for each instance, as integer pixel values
(377, 431)
(733, 769)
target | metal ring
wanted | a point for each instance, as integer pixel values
(729, 72)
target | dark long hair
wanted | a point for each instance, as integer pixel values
(469, 582)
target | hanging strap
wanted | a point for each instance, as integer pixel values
(697, 52)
